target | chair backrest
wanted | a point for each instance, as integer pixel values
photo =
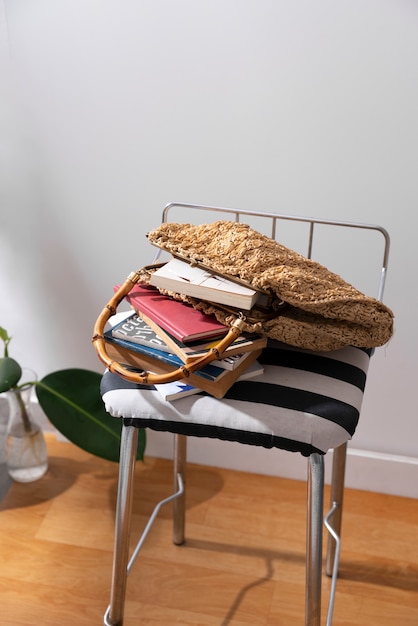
(359, 252)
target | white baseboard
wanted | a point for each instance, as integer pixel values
(366, 470)
(383, 473)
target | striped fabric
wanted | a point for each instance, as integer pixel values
(304, 402)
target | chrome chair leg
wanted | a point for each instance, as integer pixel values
(122, 564)
(128, 448)
(314, 525)
(179, 510)
(337, 494)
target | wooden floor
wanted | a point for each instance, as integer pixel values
(243, 563)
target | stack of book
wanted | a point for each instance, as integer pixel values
(162, 334)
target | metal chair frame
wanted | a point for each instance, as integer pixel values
(123, 562)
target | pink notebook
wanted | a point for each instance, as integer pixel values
(177, 318)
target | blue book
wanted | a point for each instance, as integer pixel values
(210, 372)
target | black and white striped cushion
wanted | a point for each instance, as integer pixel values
(303, 402)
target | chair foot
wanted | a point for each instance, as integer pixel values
(106, 619)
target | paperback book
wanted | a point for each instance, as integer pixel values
(181, 277)
(180, 389)
(176, 390)
(135, 329)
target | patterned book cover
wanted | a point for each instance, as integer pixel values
(135, 329)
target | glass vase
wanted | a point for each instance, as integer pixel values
(26, 451)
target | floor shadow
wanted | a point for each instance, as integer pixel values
(269, 556)
(203, 483)
(390, 575)
(60, 476)
(394, 574)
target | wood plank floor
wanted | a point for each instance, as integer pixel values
(243, 562)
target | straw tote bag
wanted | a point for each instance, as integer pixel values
(310, 307)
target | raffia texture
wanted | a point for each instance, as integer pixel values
(324, 312)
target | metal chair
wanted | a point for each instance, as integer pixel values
(305, 402)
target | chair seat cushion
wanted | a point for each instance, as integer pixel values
(303, 402)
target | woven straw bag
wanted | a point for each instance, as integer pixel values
(324, 312)
(321, 311)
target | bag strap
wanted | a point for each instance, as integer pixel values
(145, 377)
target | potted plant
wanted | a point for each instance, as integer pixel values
(71, 400)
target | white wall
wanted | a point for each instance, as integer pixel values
(111, 109)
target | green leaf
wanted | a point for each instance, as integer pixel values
(10, 373)
(4, 336)
(72, 402)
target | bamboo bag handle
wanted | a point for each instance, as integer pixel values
(146, 377)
